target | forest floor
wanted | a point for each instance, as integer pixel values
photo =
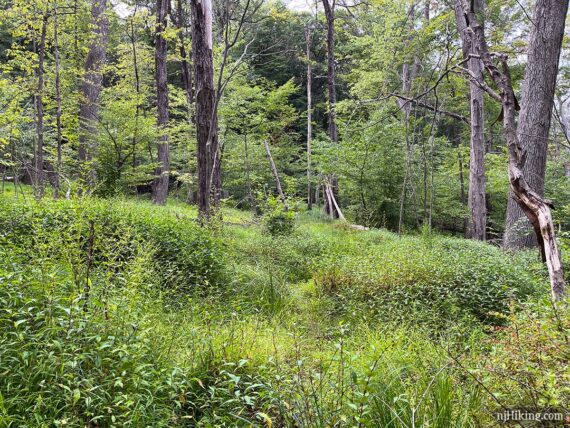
(121, 313)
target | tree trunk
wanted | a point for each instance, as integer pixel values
(57, 182)
(477, 221)
(545, 41)
(309, 115)
(216, 180)
(275, 173)
(331, 72)
(205, 99)
(247, 173)
(331, 85)
(39, 174)
(462, 190)
(331, 200)
(160, 185)
(90, 89)
(134, 140)
(535, 207)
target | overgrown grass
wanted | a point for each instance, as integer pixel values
(119, 313)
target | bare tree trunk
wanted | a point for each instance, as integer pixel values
(309, 115)
(329, 196)
(134, 141)
(205, 99)
(545, 41)
(57, 182)
(160, 185)
(535, 207)
(462, 189)
(90, 89)
(247, 173)
(275, 173)
(216, 181)
(39, 181)
(477, 221)
(331, 85)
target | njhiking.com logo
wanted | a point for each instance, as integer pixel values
(553, 417)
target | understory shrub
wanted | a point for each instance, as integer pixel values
(184, 255)
(278, 219)
(527, 366)
(437, 279)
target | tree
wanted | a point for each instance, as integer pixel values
(206, 123)
(160, 185)
(309, 114)
(331, 183)
(545, 41)
(535, 207)
(39, 168)
(90, 89)
(476, 224)
(58, 113)
(275, 173)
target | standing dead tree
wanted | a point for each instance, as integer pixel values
(536, 208)
(476, 224)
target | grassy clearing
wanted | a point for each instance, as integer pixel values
(119, 313)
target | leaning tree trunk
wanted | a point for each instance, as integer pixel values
(160, 185)
(332, 181)
(90, 89)
(275, 173)
(535, 207)
(546, 33)
(476, 224)
(205, 99)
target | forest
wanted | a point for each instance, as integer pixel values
(284, 213)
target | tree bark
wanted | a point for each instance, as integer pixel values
(462, 190)
(39, 181)
(275, 174)
(206, 130)
(57, 182)
(535, 207)
(247, 173)
(309, 115)
(90, 89)
(160, 185)
(330, 208)
(134, 140)
(545, 41)
(477, 221)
